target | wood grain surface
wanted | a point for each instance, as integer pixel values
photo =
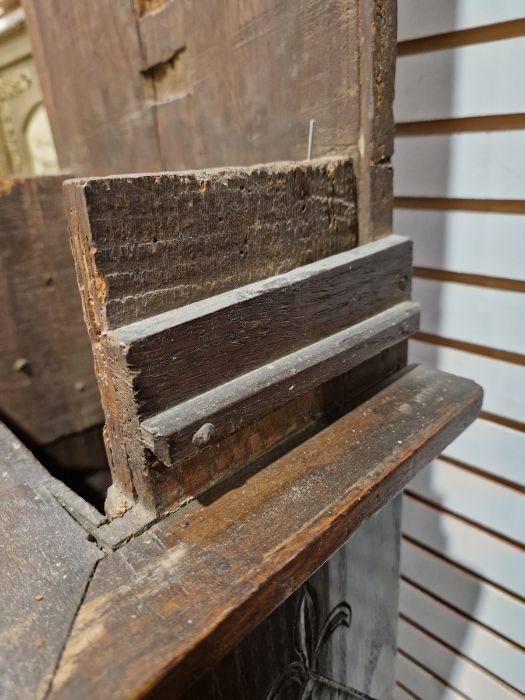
(210, 573)
(211, 84)
(47, 563)
(172, 434)
(152, 243)
(145, 245)
(184, 352)
(47, 383)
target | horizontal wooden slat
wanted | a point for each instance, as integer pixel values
(484, 554)
(504, 284)
(463, 37)
(476, 498)
(422, 683)
(454, 669)
(446, 310)
(470, 594)
(488, 650)
(493, 448)
(447, 240)
(473, 80)
(503, 382)
(227, 560)
(477, 165)
(492, 206)
(229, 407)
(187, 351)
(418, 18)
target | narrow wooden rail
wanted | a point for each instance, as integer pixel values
(174, 600)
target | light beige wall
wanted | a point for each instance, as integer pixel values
(460, 186)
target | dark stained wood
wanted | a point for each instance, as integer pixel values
(188, 590)
(182, 353)
(269, 436)
(359, 652)
(144, 245)
(47, 383)
(212, 84)
(47, 563)
(209, 417)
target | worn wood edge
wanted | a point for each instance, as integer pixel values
(310, 543)
(270, 286)
(377, 57)
(325, 162)
(92, 293)
(275, 589)
(128, 343)
(34, 481)
(129, 485)
(268, 387)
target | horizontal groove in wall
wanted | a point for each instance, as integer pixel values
(494, 353)
(455, 651)
(430, 672)
(496, 122)
(500, 206)
(491, 476)
(460, 613)
(463, 37)
(468, 521)
(405, 689)
(503, 420)
(508, 285)
(459, 566)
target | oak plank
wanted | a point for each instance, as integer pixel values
(181, 353)
(190, 96)
(47, 563)
(154, 243)
(148, 244)
(214, 570)
(239, 402)
(47, 383)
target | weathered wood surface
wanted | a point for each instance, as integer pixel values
(188, 590)
(47, 383)
(184, 352)
(355, 650)
(144, 245)
(174, 433)
(211, 84)
(46, 565)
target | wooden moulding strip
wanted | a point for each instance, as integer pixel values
(185, 352)
(225, 561)
(230, 406)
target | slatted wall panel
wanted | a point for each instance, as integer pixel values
(460, 195)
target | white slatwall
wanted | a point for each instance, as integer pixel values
(462, 602)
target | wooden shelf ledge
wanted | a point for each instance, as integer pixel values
(173, 601)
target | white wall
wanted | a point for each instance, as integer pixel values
(460, 188)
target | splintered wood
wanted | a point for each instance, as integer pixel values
(219, 303)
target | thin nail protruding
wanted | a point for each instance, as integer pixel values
(311, 139)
